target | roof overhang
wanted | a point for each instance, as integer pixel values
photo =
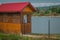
(16, 7)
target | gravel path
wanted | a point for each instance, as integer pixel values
(39, 36)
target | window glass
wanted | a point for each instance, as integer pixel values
(16, 18)
(10, 18)
(25, 19)
(5, 18)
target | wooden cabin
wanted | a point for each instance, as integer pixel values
(16, 17)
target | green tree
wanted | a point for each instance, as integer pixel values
(58, 10)
(37, 10)
(46, 12)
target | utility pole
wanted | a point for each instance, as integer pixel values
(49, 29)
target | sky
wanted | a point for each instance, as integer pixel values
(35, 3)
(44, 4)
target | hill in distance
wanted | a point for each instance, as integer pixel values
(47, 7)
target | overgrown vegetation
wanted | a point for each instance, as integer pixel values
(18, 37)
(9, 37)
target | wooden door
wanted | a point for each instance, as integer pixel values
(26, 27)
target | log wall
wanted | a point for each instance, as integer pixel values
(10, 23)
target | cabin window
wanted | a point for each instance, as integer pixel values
(16, 18)
(5, 18)
(25, 19)
(10, 18)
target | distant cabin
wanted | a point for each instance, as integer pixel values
(16, 17)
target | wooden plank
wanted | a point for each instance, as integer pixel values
(10, 27)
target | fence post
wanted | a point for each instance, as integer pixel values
(49, 29)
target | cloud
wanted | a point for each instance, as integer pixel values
(44, 4)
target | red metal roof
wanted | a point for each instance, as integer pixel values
(14, 7)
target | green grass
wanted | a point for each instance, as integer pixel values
(9, 37)
(18, 37)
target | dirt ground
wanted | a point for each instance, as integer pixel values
(42, 36)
